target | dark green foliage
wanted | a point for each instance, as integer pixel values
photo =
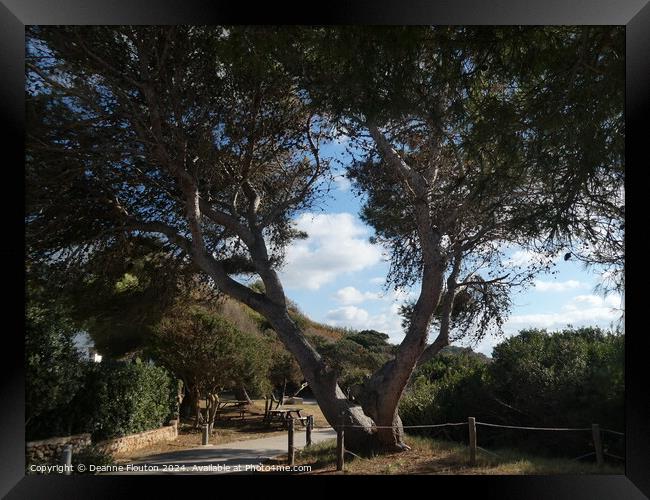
(523, 125)
(118, 302)
(356, 355)
(284, 369)
(53, 369)
(370, 339)
(570, 378)
(122, 398)
(449, 388)
(66, 394)
(209, 353)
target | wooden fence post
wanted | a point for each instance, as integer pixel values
(598, 444)
(340, 446)
(66, 459)
(206, 434)
(310, 426)
(292, 449)
(472, 440)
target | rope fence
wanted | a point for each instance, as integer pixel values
(536, 428)
(345, 426)
(473, 447)
(613, 432)
(584, 456)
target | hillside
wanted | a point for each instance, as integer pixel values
(247, 319)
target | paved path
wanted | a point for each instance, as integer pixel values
(236, 457)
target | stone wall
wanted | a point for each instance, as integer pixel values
(142, 439)
(50, 450)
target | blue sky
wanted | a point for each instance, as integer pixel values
(336, 276)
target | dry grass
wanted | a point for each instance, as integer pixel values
(429, 456)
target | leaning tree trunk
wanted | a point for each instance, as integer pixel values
(241, 394)
(212, 401)
(336, 408)
(379, 410)
(375, 424)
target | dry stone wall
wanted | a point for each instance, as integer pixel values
(136, 441)
(50, 450)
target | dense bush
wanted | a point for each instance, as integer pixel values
(54, 370)
(121, 398)
(448, 386)
(570, 378)
(209, 353)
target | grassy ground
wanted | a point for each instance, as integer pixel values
(429, 456)
(229, 428)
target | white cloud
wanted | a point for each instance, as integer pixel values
(582, 310)
(614, 300)
(337, 244)
(557, 286)
(350, 295)
(590, 300)
(342, 183)
(387, 321)
(524, 258)
(379, 280)
(347, 315)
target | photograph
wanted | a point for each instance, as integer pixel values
(324, 250)
(303, 249)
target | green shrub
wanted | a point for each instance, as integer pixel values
(449, 388)
(570, 378)
(125, 398)
(54, 371)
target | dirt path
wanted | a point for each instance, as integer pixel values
(235, 457)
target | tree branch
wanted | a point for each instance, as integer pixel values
(160, 227)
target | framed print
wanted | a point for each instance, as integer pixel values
(339, 207)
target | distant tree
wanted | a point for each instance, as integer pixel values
(351, 360)
(209, 354)
(371, 339)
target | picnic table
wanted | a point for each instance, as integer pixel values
(285, 414)
(221, 405)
